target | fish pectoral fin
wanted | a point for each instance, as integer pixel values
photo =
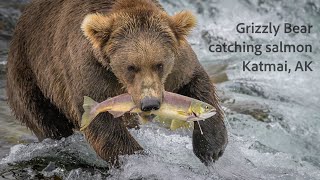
(116, 114)
(176, 124)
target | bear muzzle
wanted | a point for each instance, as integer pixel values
(149, 104)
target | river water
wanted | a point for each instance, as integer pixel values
(273, 118)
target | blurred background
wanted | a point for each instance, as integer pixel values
(273, 118)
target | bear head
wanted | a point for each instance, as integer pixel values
(139, 43)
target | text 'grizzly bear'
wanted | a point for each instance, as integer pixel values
(63, 50)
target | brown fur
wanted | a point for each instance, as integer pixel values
(63, 50)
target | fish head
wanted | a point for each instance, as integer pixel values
(202, 110)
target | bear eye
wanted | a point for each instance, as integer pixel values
(159, 67)
(132, 68)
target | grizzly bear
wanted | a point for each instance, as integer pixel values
(63, 50)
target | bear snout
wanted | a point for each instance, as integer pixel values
(150, 103)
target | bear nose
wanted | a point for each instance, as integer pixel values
(148, 104)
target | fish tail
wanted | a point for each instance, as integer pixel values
(87, 117)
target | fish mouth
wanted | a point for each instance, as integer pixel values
(207, 115)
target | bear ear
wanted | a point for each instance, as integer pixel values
(97, 28)
(182, 24)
